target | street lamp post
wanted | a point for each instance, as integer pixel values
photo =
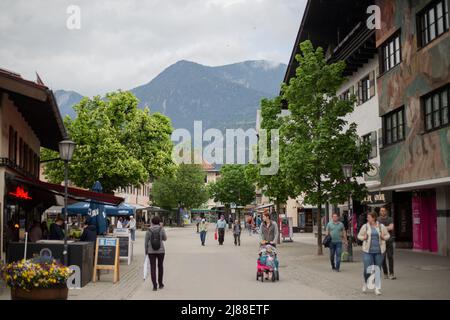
(348, 172)
(66, 149)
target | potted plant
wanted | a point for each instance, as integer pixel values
(36, 280)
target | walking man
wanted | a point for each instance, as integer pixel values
(203, 227)
(336, 230)
(387, 221)
(220, 227)
(237, 232)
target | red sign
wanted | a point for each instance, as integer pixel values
(21, 194)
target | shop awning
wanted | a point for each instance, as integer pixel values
(73, 193)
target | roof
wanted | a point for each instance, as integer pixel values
(326, 23)
(38, 106)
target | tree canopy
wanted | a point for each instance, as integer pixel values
(233, 186)
(317, 137)
(185, 188)
(118, 144)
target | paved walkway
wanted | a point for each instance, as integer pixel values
(228, 272)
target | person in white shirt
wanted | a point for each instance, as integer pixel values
(119, 223)
(132, 227)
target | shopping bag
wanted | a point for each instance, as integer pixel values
(215, 235)
(146, 267)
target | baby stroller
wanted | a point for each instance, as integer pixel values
(267, 263)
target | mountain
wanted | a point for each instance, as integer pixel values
(222, 97)
(66, 100)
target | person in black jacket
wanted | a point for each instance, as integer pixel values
(56, 230)
(89, 233)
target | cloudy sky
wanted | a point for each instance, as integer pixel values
(126, 43)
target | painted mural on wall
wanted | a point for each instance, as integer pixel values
(422, 155)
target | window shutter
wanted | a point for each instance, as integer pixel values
(380, 138)
(372, 83)
(373, 141)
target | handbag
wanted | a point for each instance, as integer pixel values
(326, 241)
(215, 235)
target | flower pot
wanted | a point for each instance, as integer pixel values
(56, 293)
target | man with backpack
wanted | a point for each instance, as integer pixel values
(154, 248)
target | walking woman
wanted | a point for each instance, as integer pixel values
(374, 236)
(203, 227)
(268, 230)
(154, 248)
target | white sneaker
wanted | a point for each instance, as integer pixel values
(378, 292)
(364, 288)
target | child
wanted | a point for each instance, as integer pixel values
(267, 257)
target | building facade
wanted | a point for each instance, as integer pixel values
(400, 75)
(414, 88)
(29, 120)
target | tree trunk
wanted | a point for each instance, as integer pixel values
(277, 206)
(319, 222)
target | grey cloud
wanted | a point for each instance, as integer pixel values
(123, 44)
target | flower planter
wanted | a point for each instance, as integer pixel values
(56, 293)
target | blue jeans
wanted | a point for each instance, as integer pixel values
(335, 251)
(370, 259)
(133, 234)
(203, 237)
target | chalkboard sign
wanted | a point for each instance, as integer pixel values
(125, 243)
(124, 246)
(106, 257)
(106, 251)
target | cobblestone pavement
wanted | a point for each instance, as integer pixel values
(228, 272)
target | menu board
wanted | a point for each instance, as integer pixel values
(106, 257)
(124, 246)
(106, 251)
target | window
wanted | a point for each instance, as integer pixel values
(366, 88)
(363, 89)
(391, 54)
(433, 21)
(436, 109)
(12, 148)
(394, 126)
(371, 139)
(345, 95)
(20, 153)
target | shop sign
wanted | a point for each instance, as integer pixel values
(375, 198)
(20, 193)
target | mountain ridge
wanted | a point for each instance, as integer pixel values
(221, 96)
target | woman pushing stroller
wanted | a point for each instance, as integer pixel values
(268, 230)
(267, 261)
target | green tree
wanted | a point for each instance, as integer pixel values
(233, 186)
(183, 189)
(117, 144)
(275, 186)
(317, 138)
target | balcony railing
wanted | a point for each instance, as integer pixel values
(6, 162)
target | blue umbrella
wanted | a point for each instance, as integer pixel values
(122, 209)
(82, 208)
(97, 211)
